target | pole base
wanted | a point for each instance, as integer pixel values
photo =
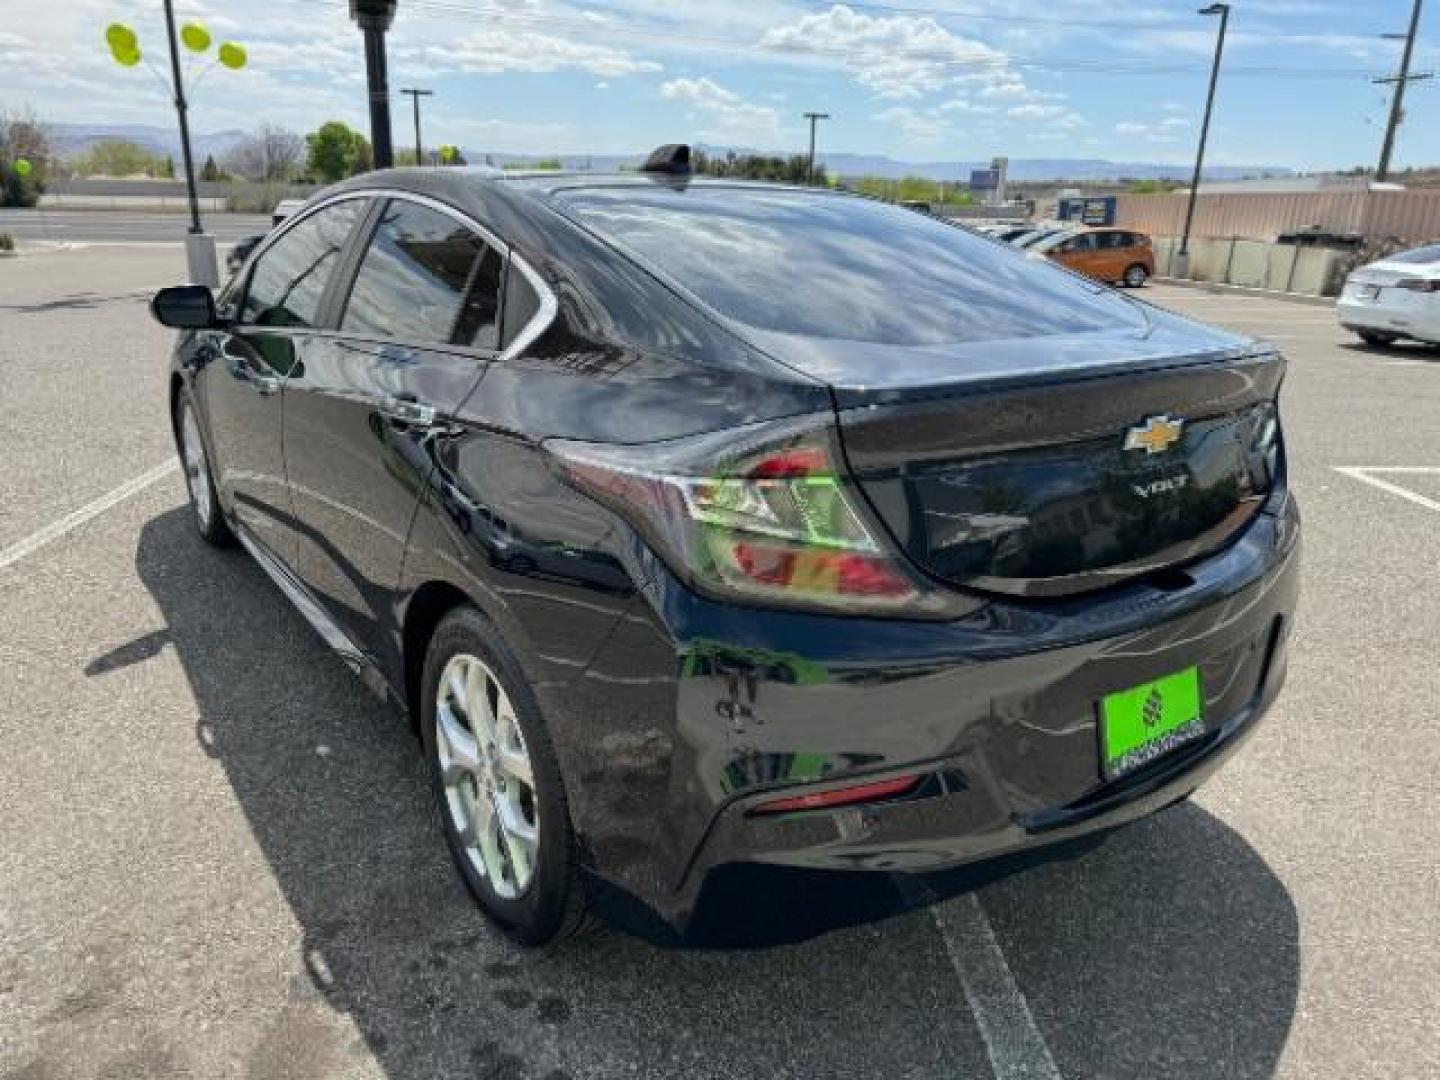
(1180, 264)
(200, 261)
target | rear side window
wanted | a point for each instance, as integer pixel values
(290, 278)
(1422, 256)
(832, 266)
(426, 278)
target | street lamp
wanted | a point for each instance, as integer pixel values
(1223, 10)
(810, 168)
(374, 18)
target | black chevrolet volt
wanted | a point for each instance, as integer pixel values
(698, 524)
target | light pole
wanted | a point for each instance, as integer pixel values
(1397, 104)
(1223, 10)
(810, 168)
(415, 96)
(374, 18)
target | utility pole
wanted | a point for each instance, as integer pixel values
(374, 18)
(415, 96)
(810, 169)
(1223, 10)
(1397, 104)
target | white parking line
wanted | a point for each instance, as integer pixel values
(1363, 474)
(1014, 1044)
(36, 540)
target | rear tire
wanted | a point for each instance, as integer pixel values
(199, 478)
(1135, 276)
(1378, 338)
(497, 783)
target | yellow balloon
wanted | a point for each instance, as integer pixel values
(126, 57)
(120, 38)
(232, 55)
(195, 37)
(22, 167)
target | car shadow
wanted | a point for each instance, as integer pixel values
(1399, 350)
(1170, 950)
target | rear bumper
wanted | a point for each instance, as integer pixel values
(1412, 315)
(997, 712)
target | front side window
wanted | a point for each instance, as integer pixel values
(290, 278)
(428, 279)
(833, 266)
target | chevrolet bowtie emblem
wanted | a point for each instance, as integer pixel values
(1155, 436)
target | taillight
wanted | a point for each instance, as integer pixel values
(763, 514)
(1424, 285)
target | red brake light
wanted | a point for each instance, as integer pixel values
(874, 791)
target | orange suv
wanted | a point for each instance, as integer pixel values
(1107, 254)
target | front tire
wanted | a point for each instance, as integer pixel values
(497, 783)
(199, 478)
(1135, 276)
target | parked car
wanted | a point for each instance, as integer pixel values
(283, 209)
(1397, 297)
(681, 555)
(1034, 236)
(1110, 255)
(1010, 233)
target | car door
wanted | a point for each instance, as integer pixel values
(1080, 252)
(416, 328)
(274, 314)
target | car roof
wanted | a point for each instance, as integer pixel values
(458, 181)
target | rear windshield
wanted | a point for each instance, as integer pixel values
(1430, 254)
(831, 266)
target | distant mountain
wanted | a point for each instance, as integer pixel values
(73, 139)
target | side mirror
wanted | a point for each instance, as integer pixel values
(185, 307)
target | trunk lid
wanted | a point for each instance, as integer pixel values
(1039, 480)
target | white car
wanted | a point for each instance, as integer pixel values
(1397, 297)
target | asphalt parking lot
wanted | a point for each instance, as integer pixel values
(219, 859)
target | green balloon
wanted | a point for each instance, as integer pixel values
(126, 57)
(22, 167)
(232, 55)
(195, 37)
(121, 38)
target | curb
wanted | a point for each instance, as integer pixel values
(1244, 290)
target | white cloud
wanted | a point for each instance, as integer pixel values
(1158, 131)
(897, 56)
(502, 48)
(726, 114)
(914, 126)
(967, 107)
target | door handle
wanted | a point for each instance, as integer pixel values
(406, 410)
(264, 385)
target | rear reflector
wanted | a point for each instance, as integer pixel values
(845, 796)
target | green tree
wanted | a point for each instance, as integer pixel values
(22, 138)
(210, 173)
(167, 168)
(336, 151)
(118, 157)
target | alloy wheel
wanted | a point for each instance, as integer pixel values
(487, 775)
(197, 472)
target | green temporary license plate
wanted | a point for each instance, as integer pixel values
(1140, 724)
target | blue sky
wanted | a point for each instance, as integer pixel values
(914, 79)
